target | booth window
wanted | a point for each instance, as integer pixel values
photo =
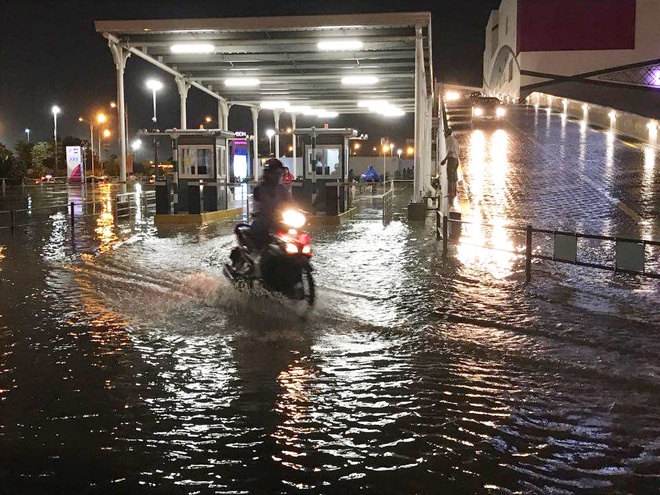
(196, 161)
(327, 161)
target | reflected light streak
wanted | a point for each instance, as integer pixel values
(489, 168)
(609, 153)
(105, 223)
(2, 252)
(647, 191)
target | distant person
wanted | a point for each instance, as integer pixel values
(351, 175)
(452, 163)
(287, 179)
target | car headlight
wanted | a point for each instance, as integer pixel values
(477, 112)
(293, 218)
(500, 112)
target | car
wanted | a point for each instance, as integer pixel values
(487, 108)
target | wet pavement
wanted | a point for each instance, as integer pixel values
(129, 364)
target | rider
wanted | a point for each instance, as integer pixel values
(270, 195)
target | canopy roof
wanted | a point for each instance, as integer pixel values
(283, 54)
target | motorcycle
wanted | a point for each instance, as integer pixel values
(281, 266)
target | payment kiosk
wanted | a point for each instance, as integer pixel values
(323, 190)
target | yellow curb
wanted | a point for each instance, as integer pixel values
(188, 219)
(331, 219)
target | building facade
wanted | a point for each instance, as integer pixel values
(605, 52)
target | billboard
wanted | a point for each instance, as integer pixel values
(561, 25)
(74, 163)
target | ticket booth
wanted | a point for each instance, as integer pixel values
(323, 190)
(201, 173)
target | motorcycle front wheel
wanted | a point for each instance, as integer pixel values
(305, 287)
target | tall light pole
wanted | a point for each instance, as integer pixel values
(27, 131)
(155, 86)
(55, 111)
(270, 133)
(106, 135)
(91, 138)
(136, 145)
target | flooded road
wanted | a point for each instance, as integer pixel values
(129, 364)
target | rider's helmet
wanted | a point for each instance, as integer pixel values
(273, 167)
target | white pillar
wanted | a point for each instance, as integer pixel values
(223, 114)
(419, 114)
(293, 143)
(255, 141)
(183, 87)
(276, 118)
(120, 56)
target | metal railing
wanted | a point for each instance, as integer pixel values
(27, 217)
(388, 203)
(630, 255)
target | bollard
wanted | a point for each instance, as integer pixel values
(528, 254)
(445, 221)
(13, 221)
(72, 217)
(437, 225)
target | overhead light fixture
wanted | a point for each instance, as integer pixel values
(392, 111)
(274, 105)
(338, 46)
(242, 82)
(310, 111)
(324, 114)
(193, 48)
(359, 80)
(298, 109)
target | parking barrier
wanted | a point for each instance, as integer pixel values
(630, 255)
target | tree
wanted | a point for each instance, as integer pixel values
(6, 161)
(23, 158)
(40, 153)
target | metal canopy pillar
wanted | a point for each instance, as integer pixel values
(183, 87)
(255, 141)
(276, 119)
(293, 141)
(119, 55)
(420, 104)
(223, 114)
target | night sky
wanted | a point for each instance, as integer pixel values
(50, 54)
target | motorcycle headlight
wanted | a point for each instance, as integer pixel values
(500, 112)
(291, 248)
(478, 112)
(293, 218)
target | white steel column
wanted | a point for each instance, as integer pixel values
(276, 118)
(120, 56)
(420, 103)
(293, 143)
(223, 114)
(183, 87)
(255, 141)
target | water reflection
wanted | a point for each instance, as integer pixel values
(488, 201)
(648, 192)
(105, 223)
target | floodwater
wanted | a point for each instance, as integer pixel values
(130, 365)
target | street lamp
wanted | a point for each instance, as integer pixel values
(136, 145)
(91, 139)
(27, 131)
(154, 86)
(398, 152)
(270, 133)
(106, 134)
(209, 120)
(55, 111)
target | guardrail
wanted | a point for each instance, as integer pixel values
(124, 205)
(630, 255)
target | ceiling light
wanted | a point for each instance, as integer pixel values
(330, 46)
(274, 105)
(241, 82)
(392, 112)
(359, 80)
(298, 109)
(193, 48)
(327, 115)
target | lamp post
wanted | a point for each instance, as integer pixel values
(155, 86)
(55, 111)
(209, 120)
(27, 131)
(135, 146)
(106, 134)
(270, 133)
(91, 138)
(386, 148)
